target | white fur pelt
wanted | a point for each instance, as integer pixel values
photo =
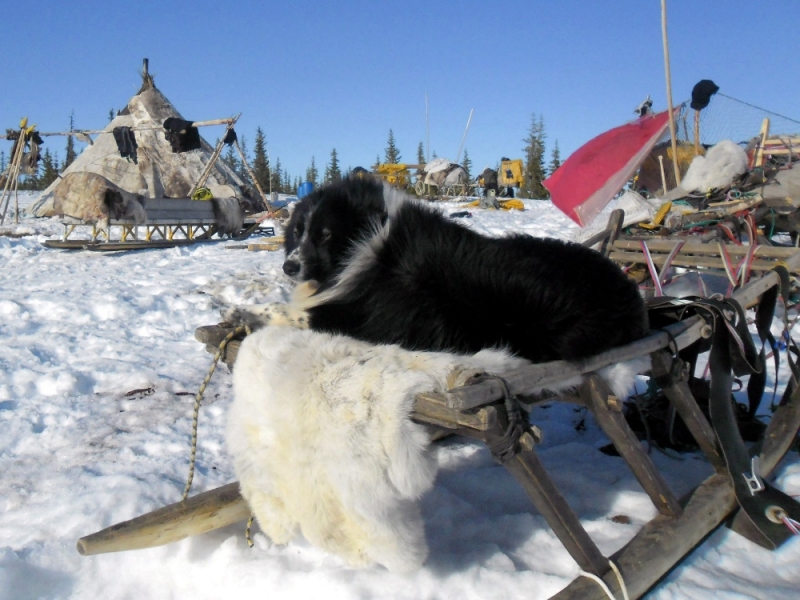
(717, 169)
(321, 438)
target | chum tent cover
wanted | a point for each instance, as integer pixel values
(587, 181)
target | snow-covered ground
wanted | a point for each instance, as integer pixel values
(98, 369)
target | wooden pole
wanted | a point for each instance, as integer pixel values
(427, 132)
(204, 512)
(13, 175)
(252, 175)
(214, 157)
(208, 123)
(669, 93)
(464, 137)
(697, 133)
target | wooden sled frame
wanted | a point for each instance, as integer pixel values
(163, 233)
(478, 411)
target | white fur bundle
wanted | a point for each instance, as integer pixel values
(321, 439)
(717, 169)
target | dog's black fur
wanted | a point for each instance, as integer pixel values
(401, 272)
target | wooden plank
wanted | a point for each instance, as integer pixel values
(597, 397)
(686, 261)
(680, 396)
(663, 542)
(203, 512)
(704, 249)
(431, 408)
(529, 472)
(526, 379)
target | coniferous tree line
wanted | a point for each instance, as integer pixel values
(277, 179)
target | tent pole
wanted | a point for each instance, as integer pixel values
(464, 137)
(252, 175)
(669, 93)
(427, 131)
(212, 161)
(13, 175)
(697, 133)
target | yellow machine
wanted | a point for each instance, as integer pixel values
(510, 173)
(394, 174)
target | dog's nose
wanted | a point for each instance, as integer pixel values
(291, 268)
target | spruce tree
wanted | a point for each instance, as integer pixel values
(312, 175)
(49, 169)
(276, 179)
(555, 160)
(534, 172)
(71, 154)
(392, 153)
(111, 115)
(241, 170)
(230, 159)
(261, 169)
(420, 154)
(467, 164)
(3, 162)
(332, 171)
(286, 184)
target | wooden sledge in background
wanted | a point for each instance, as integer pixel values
(479, 411)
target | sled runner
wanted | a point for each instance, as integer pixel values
(494, 409)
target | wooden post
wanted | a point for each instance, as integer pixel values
(607, 410)
(669, 93)
(758, 159)
(214, 157)
(252, 175)
(697, 133)
(13, 174)
(204, 512)
(464, 137)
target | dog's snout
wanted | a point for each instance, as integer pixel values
(291, 268)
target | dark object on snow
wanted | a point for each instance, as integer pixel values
(462, 214)
(489, 177)
(181, 135)
(126, 143)
(702, 92)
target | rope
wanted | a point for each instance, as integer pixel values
(199, 398)
(247, 532)
(603, 584)
(507, 446)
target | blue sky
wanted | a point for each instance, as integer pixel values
(322, 75)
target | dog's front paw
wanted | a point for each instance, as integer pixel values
(239, 316)
(260, 315)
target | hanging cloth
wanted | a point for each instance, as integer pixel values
(126, 143)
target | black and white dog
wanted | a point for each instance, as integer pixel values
(382, 267)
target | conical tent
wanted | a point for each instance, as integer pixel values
(158, 172)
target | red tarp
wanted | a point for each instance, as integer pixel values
(598, 170)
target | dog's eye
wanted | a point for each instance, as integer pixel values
(325, 237)
(298, 230)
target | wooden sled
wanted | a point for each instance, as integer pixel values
(170, 222)
(479, 410)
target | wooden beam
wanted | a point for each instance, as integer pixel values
(597, 397)
(203, 512)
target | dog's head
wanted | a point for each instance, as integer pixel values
(326, 224)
